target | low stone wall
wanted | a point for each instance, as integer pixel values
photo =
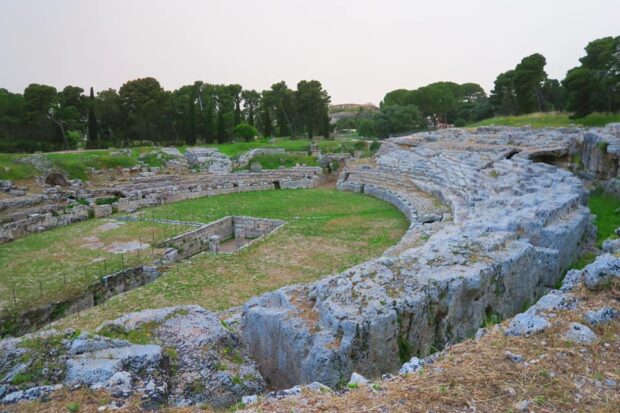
(245, 158)
(20, 202)
(144, 192)
(16, 324)
(42, 222)
(152, 191)
(198, 240)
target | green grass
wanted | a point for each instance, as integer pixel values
(605, 208)
(9, 169)
(327, 231)
(140, 335)
(59, 263)
(77, 164)
(549, 120)
(274, 161)
(290, 145)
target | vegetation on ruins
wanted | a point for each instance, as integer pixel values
(606, 208)
(549, 120)
(77, 164)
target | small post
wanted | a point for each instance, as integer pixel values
(40, 289)
(105, 267)
(122, 261)
(239, 233)
(214, 243)
(64, 276)
(139, 246)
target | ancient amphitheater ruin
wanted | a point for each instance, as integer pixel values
(497, 216)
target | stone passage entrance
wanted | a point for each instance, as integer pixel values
(226, 235)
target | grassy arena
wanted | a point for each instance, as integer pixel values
(327, 231)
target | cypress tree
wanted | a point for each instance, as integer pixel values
(221, 128)
(237, 119)
(251, 115)
(93, 136)
(208, 123)
(191, 121)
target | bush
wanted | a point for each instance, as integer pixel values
(73, 407)
(275, 161)
(374, 146)
(245, 131)
(106, 201)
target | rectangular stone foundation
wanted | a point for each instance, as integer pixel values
(244, 230)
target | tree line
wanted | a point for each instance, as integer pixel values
(593, 86)
(141, 111)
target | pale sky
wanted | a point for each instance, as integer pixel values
(358, 49)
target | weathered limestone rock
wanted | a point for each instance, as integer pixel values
(358, 380)
(601, 271)
(611, 245)
(102, 211)
(208, 159)
(580, 334)
(210, 363)
(95, 368)
(411, 366)
(597, 155)
(525, 324)
(64, 359)
(512, 227)
(601, 316)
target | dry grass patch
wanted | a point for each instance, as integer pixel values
(327, 231)
(476, 375)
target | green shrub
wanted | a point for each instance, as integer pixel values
(275, 161)
(374, 146)
(245, 131)
(602, 146)
(73, 407)
(140, 335)
(106, 201)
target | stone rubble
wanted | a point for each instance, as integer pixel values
(209, 160)
(211, 365)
